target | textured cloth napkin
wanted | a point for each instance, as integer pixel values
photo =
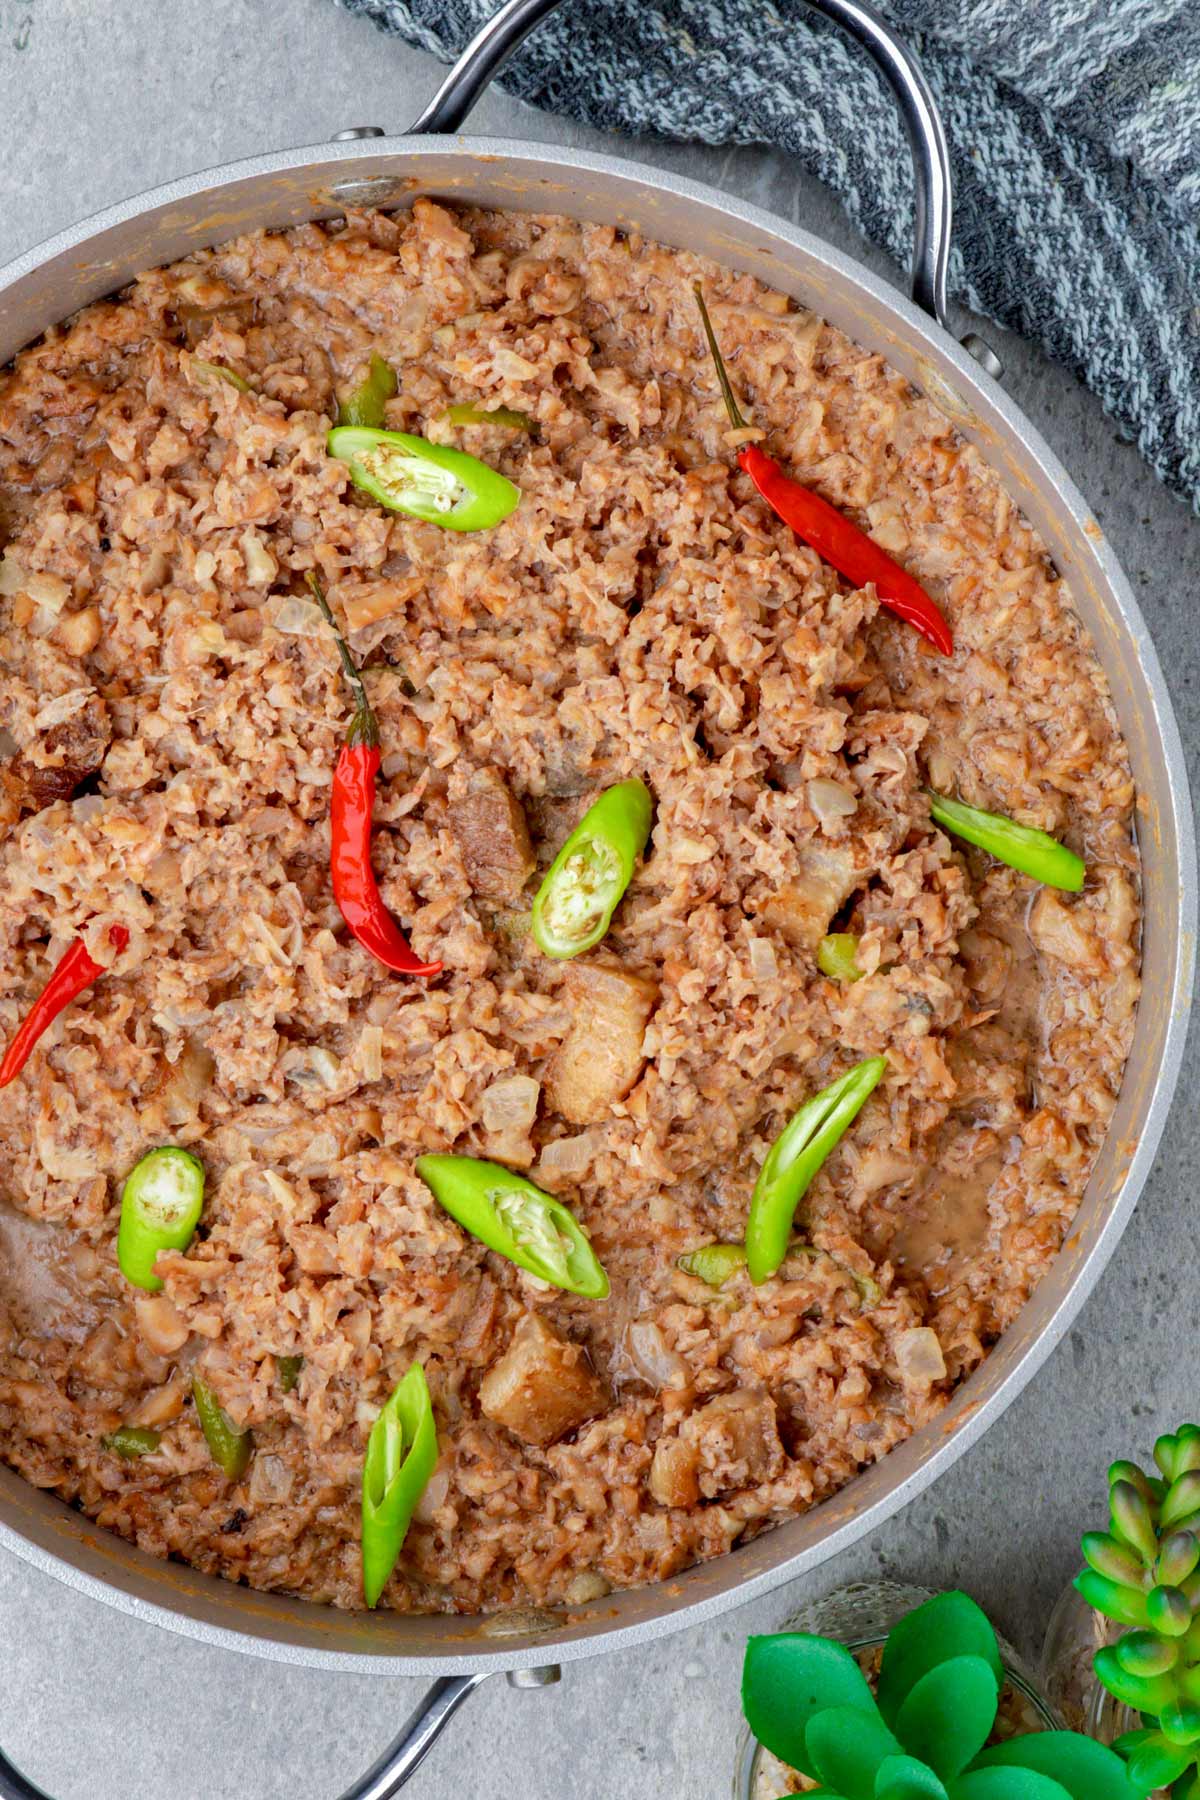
(1074, 128)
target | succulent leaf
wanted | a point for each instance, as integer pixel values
(1126, 1605)
(846, 1746)
(1104, 1554)
(949, 1625)
(1129, 1741)
(1006, 1784)
(787, 1679)
(1178, 1451)
(1145, 1693)
(1145, 1653)
(904, 1778)
(1087, 1770)
(1180, 1722)
(1157, 1763)
(1168, 1611)
(948, 1715)
(1151, 1489)
(1181, 1501)
(1131, 1519)
(1178, 1557)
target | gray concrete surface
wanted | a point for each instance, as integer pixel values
(98, 102)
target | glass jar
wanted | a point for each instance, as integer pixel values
(860, 1616)
(1073, 1636)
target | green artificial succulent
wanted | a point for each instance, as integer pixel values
(923, 1736)
(1144, 1572)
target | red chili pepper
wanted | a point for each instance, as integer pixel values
(847, 549)
(354, 885)
(76, 971)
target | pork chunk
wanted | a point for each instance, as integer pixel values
(673, 1473)
(492, 837)
(602, 1054)
(802, 911)
(735, 1442)
(71, 750)
(543, 1386)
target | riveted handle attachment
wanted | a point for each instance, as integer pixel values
(491, 48)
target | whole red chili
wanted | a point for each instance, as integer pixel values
(354, 885)
(76, 970)
(847, 549)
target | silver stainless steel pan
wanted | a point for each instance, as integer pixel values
(103, 253)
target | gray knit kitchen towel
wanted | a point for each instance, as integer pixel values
(1074, 128)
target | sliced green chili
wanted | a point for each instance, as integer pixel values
(713, 1263)
(577, 899)
(467, 413)
(410, 475)
(402, 1453)
(517, 1220)
(160, 1209)
(836, 954)
(218, 372)
(794, 1159)
(230, 1447)
(1022, 847)
(131, 1441)
(289, 1368)
(365, 404)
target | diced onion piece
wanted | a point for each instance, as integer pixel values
(50, 591)
(589, 1584)
(280, 1190)
(691, 851)
(919, 1356)
(511, 1103)
(370, 1052)
(764, 964)
(186, 1085)
(270, 1481)
(12, 576)
(434, 1496)
(297, 617)
(661, 1366)
(261, 567)
(325, 1064)
(569, 1155)
(830, 800)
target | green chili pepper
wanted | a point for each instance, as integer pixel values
(1022, 847)
(835, 957)
(160, 1208)
(583, 884)
(713, 1263)
(289, 1368)
(230, 1447)
(131, 1441)
(467, 413)
(794, 1159)
(410, 475)
(218, 372)
(517, 1220)
(364, 405)
(402, 1453)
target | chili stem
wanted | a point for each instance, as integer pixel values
(731, 405)
(364, 727)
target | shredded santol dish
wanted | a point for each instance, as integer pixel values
(569, 910)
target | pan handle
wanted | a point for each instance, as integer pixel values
(405, 1755)
(492, 47)
(399, 1761)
